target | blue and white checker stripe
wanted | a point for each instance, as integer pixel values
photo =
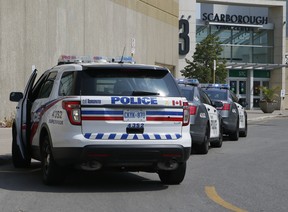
(125, 136)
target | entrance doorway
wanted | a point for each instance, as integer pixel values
(239, 87)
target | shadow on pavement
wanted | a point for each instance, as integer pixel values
(77, 181)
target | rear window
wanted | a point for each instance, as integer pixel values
(109, 82)
(217, 94)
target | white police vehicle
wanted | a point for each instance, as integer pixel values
(205, 120)
(98, 116)
(233, 114)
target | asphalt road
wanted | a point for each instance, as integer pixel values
(245, 175)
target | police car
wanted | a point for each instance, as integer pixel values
(96, 115)
(205, 121)
(233, 114)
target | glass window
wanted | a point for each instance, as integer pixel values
(201, 33)
(242, 87)
(241, 44)
(256, 90)
(217, 94)
(128, 82)
(204, 98)
(47, 86)
(233, 97)
(66, 87)
(233, 86)
(188, 93)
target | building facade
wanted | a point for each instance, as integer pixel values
(37, 32)
(253, 38)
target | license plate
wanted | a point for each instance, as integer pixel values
(134, 115)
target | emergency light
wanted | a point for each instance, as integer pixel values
(68, 59)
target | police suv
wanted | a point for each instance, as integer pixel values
(97, 115)
(205, 120)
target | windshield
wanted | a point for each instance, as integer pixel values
(97, 82)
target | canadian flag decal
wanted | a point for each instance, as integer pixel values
(176, 102)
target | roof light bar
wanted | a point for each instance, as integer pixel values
(186, 81)
(221, 86)
(68, 59)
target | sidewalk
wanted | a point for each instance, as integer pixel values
(253, 115)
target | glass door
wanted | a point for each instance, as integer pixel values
(239, 87)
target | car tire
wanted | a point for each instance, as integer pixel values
(51, 172)
(17, 159)
(173, 177)
(245, 131)
(235, 135)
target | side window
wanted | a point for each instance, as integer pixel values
(233, 97)
(66, 84)
(197, 96)
(47, 86)
(204, 97)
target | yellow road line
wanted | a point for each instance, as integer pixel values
(212, 194)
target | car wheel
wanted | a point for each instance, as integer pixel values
(235, 135)
(173, 177)
(51, 172)
(17, 159)
(245, 131)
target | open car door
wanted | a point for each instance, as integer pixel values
(21, 155)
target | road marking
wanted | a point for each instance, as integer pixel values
(212, 194)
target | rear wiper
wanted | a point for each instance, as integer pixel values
(144, 93)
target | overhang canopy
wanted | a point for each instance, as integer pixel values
(257, 66)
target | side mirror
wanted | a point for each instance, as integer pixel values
(217, 104)
(16, 96)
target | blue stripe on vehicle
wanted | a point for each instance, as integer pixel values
(168, 136)
(125, 136)
(157, 136)
(112, 136)
(99, 135)
(101, 112)
(148, 113)
(87, 135)
(164, 113)
(146, 136)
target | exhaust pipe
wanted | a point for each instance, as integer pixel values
(91, 166)
(168, 165)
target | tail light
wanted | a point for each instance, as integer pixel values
(193, 109)
(186, 114)
(73, 111)
(226, 106)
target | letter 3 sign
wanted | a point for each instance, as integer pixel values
(184, 40)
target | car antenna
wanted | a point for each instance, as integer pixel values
(121, 60)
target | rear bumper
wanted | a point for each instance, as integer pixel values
(134, 157)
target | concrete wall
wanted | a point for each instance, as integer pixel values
(277, 16)
(37, 32)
